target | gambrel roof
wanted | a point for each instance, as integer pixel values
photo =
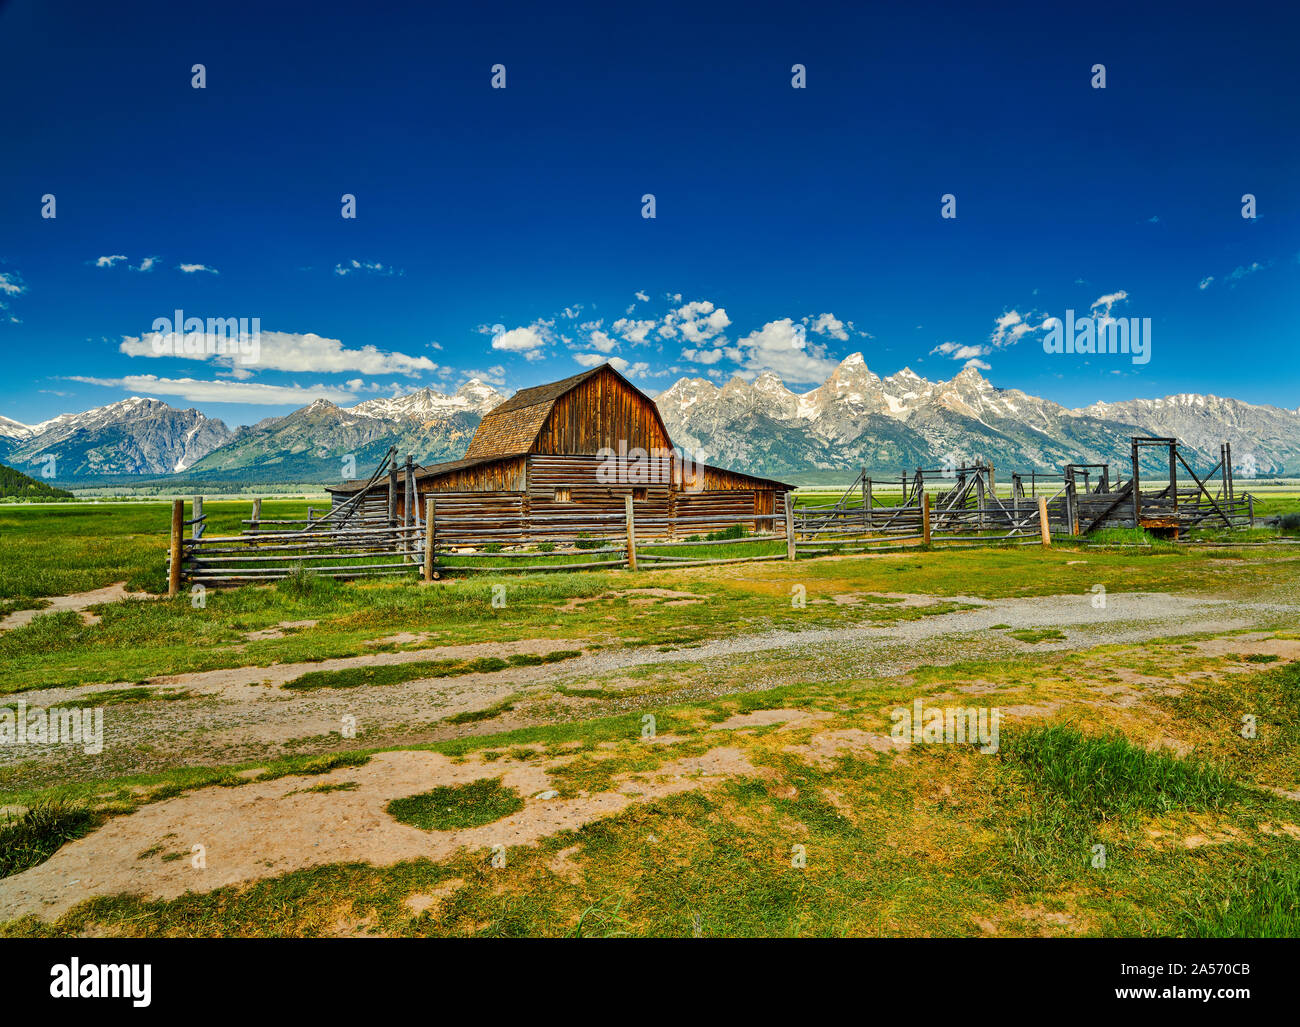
(511, 428)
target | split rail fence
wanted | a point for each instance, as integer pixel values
(269, 550)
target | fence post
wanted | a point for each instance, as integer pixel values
(631, 533)
(428, 539)
(866, 497)
(197, 530)
(789, 527)
(409, 544)
(925, 518)
(178, 522)
(1044, 529)
(392, 494)
(257, 514)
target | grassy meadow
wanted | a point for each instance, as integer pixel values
(768, 800)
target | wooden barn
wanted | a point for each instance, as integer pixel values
(558, 461)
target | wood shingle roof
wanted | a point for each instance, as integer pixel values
(510, 428)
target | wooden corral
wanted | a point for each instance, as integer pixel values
(557, 462)
(1080, 499)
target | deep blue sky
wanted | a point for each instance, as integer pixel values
(503, 207)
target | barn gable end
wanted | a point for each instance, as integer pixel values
(598, 409)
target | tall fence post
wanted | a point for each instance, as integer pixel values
(392, 494)
(257, 514)
(866, 497)
(409, 544)
(428, 539)
(925, 518)
(197, 530)
(1044, 529)
(178, 522)
(789, 527)
(631, 533)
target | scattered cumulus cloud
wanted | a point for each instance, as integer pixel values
(828, 324)
(602, 342)
(530, 341)
(109, 261)
(632, 331)
(783, 347)
(1239, 272)
(191, 269)
(1011, 327)
(958, 351)
(197, 391)
(703, 356)
(1104, 303)
(353, 267)
(280, 351)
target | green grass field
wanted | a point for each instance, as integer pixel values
(1134, 747)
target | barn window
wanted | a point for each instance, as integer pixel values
(564, 495)
(639, 494)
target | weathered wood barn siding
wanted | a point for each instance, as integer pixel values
(601, 413)
(535, 470)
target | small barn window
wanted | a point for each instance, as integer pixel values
(640, 494)
(564, 495)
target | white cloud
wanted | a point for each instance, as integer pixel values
(781, 347)
(109, 261)
(528, 340)
(828, 324)
(978, 364)
(146, 264)
(642, 297)
(701, 356)
(699, 321)
(1205, 282)
(618, 363)
(958, 351)
(364, 267)
(602, 342)
(634, 332)
(1241, 272)
(11, 284)
(281, 351)
(190, 269)
(1104, 303)
(1011, 327)
(222, 391)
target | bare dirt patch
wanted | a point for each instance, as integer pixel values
(266, 829)
(764, 718)
(78, 601)
(823, 748)
(638, 597)
(1251, 645)
(279, 631)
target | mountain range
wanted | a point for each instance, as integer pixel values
(854, 419)
(858, 419)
